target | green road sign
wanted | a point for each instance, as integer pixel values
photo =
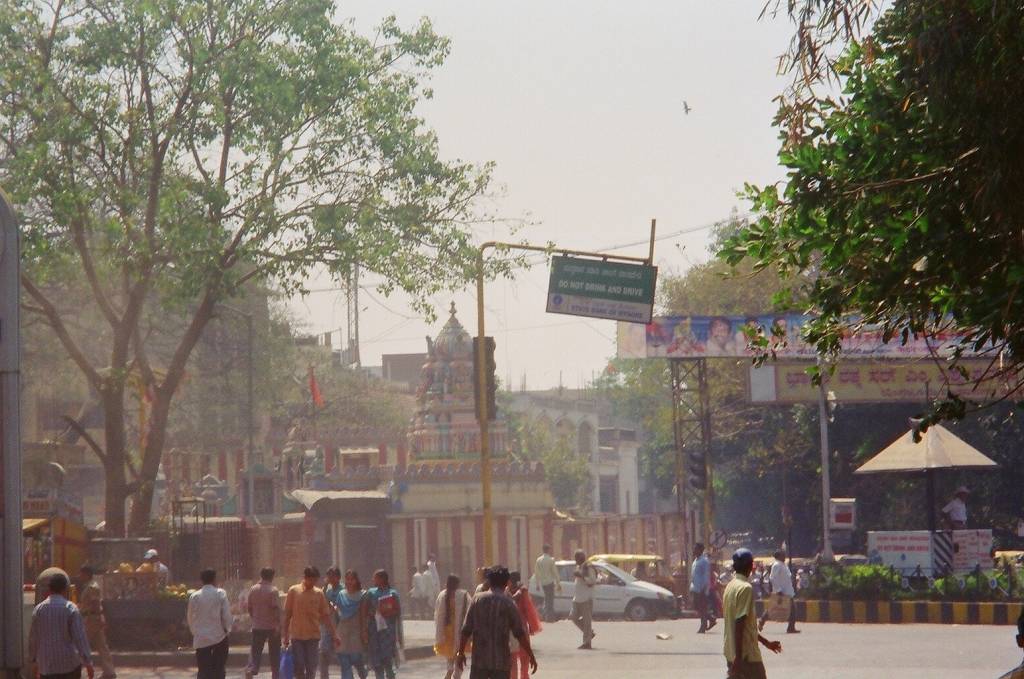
(600, 289)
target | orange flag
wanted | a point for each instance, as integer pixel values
(314, 390)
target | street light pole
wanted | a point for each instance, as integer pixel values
(10, 449)
(826, 490)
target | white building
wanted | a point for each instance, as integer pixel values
(611, 450)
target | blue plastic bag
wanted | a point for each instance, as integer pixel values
(287, 664)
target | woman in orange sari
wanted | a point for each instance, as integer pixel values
(531, 621)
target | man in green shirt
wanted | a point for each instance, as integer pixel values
(742, 655)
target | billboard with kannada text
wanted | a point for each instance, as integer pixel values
(879, 381)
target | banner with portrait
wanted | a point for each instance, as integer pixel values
(726, 336)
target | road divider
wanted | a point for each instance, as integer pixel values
(895, 612)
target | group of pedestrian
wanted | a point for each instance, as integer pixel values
(426, 584)
(496, 627)
(452, 612)
(341, 623)
(779, 605)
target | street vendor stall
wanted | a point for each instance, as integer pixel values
(143, 610)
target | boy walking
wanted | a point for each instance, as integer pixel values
(742, 655)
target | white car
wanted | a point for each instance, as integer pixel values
(617, 594)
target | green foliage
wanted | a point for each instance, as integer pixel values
(854, 583)
(567, 472)
(882, 583)
(902, 202)
(167, 153)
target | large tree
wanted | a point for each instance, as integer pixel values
(902, 204)
(170, 152)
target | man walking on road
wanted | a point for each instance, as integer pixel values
(305, 609)
(584, 579)
(700, 588)
(210, 620)
(742, 654)
(491, 618)
(264, 604)
(57, 643)
(418, 593)
(90, 605)
(547, 577)
(780, 605)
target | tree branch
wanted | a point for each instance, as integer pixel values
(57, 324)
(87, 437)
(89, 266)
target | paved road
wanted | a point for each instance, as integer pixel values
(824, 651)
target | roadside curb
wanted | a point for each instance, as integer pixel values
(237, 657)
(896, 612)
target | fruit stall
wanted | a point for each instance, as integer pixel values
(144, 611)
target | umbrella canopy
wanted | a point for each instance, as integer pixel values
(938, 448)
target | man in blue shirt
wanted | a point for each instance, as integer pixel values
(57, 642)
(700, 588)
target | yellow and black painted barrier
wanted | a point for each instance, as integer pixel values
(894, 612)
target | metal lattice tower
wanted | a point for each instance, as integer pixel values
(691, 420)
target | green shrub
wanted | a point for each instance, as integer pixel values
(882, 583)
(854, 583)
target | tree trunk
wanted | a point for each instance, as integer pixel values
(112, 399)
(156, 437)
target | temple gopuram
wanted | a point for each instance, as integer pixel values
(444, 427)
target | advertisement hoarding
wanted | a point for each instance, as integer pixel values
(876, 382)
(971, 548)
(904, 550)
(723, 337)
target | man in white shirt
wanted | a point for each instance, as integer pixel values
(435, 576)
(547, 577)
(418, 593)
(151, 564)
(430, 592)
(780, 605)
(956, 511)
(582, 614)
(209, 620)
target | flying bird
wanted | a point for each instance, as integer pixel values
(686, 108)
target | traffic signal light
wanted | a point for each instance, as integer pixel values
(696, 468)
(491, 380)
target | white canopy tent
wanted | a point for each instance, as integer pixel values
(938, 448)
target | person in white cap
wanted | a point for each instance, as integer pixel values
(151, 564)
(956, 511)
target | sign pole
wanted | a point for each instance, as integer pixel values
(826, 491)
(11, 632)
(482, 416)
(481, 372)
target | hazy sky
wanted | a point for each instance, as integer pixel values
(579, 102)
